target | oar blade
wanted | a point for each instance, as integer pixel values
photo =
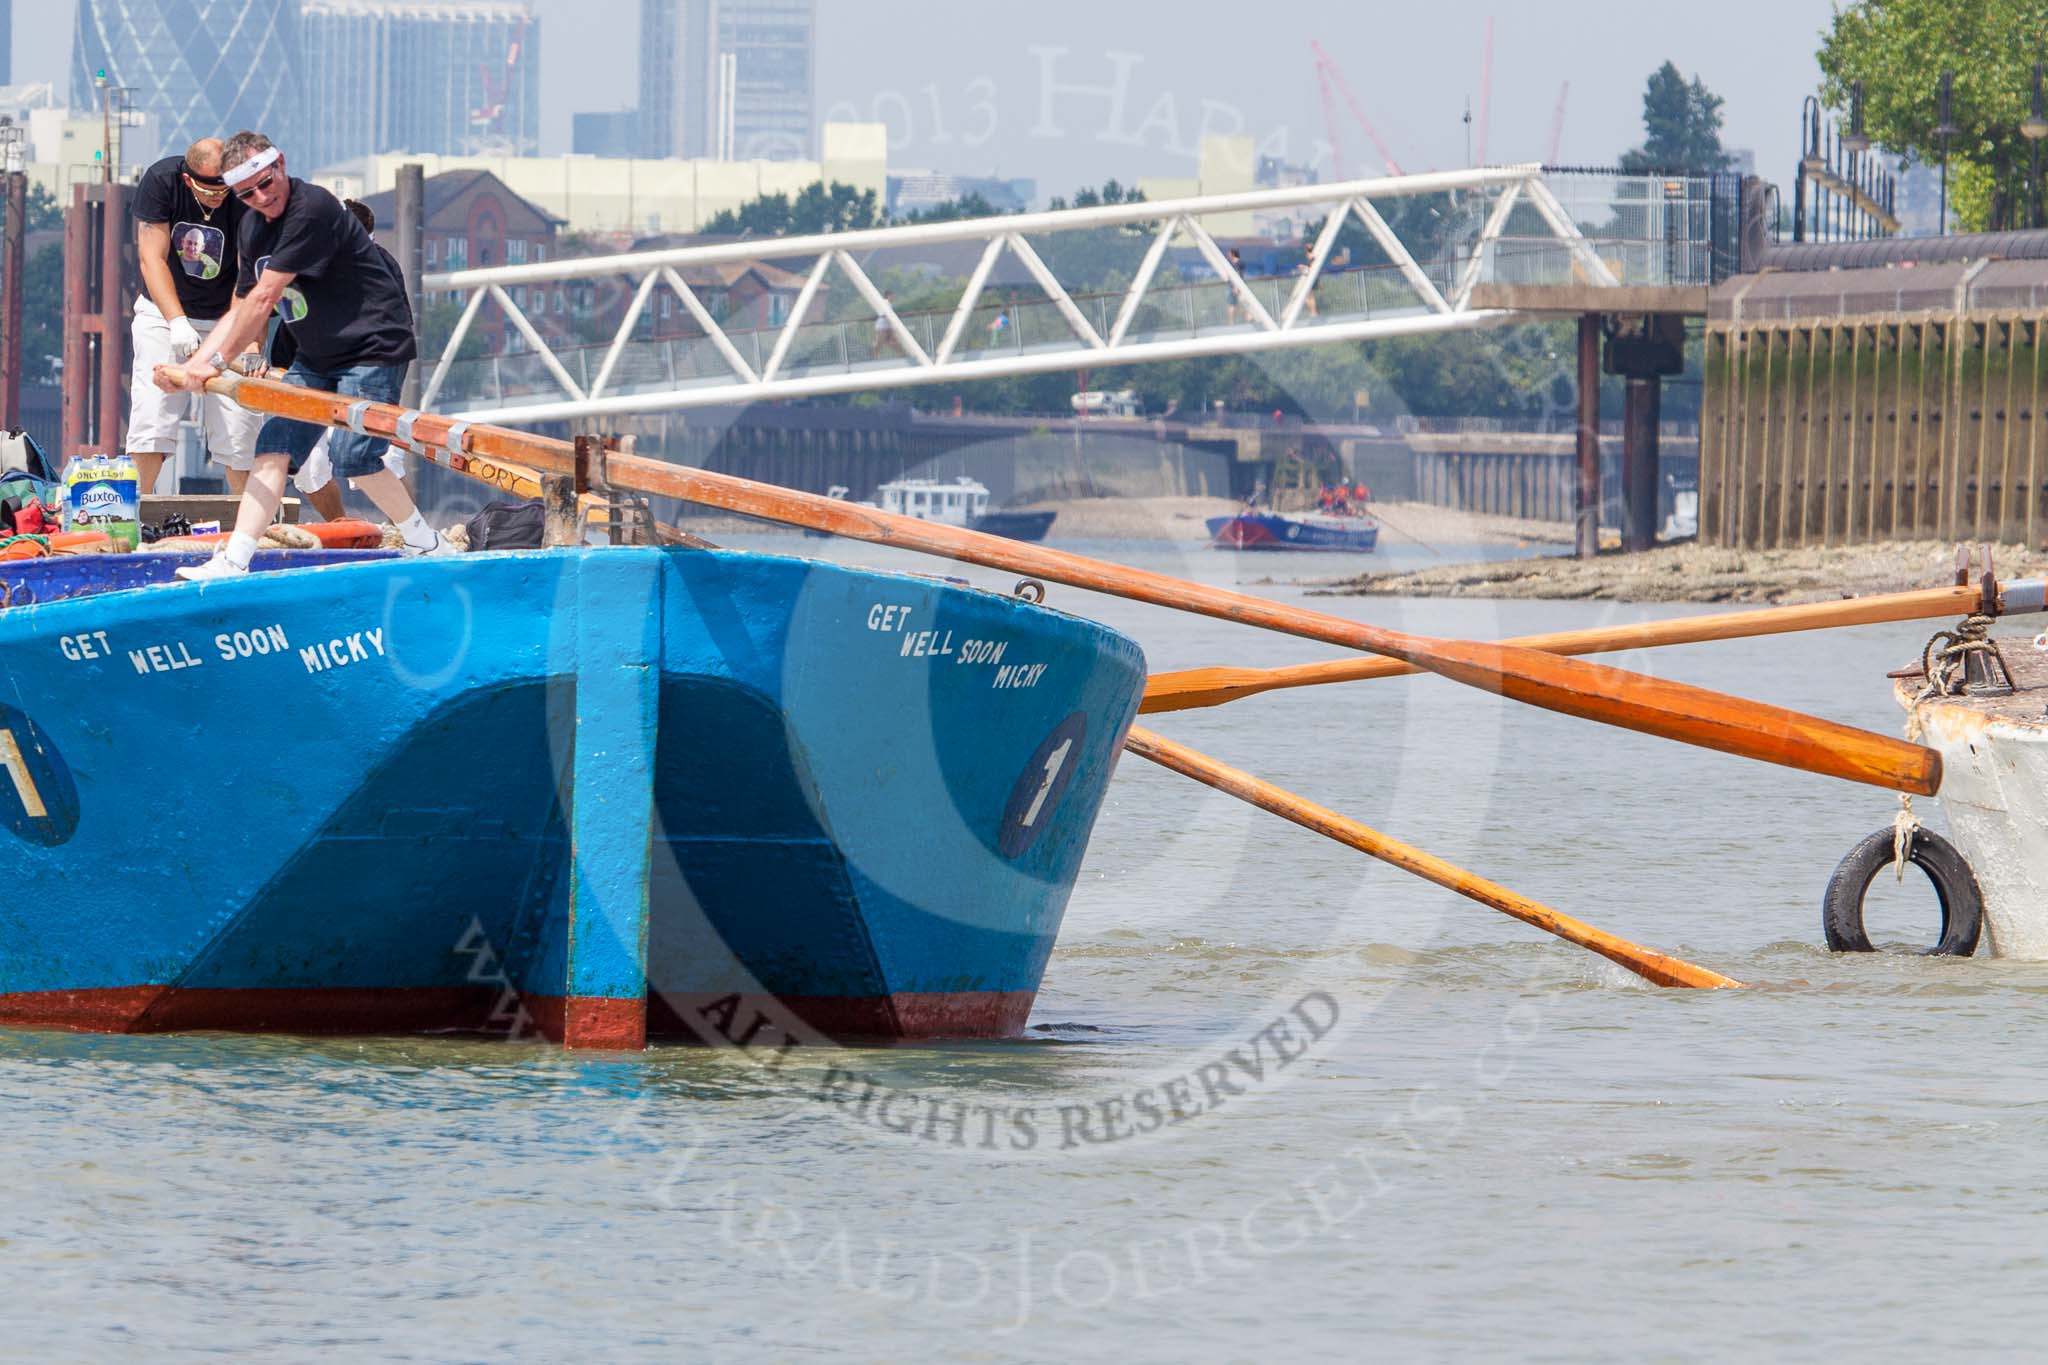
(1196, 687)
(1692, 715)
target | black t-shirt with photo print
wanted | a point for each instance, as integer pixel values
(346, 303)
(202, 255)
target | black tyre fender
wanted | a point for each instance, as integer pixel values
(1962, 905)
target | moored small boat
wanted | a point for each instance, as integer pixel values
(963, 502)
(1014, 525)
(1252, 529)
(1994, 792)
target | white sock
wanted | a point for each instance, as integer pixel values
(416, 533)
(240, 550)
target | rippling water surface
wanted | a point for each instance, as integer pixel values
(1276, 1097)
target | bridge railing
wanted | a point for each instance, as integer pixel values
(1672, 227)
(852, 345)
(1080, 288)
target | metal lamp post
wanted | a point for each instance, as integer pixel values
(2033, 128)
(1856, 143)
(106, 129)
(13, 149)
(1809, 162)
(1943, 131)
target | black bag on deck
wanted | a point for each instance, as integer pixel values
(507, 526)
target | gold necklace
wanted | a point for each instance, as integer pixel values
(205, 213)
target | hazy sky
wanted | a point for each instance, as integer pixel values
(1071, 92)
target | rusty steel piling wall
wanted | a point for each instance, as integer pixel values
(1852, 406)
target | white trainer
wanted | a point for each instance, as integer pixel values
(218, 566)
(441, 546)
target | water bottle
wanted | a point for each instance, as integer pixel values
(74, 470)
(126, 479)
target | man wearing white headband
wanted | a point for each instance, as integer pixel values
(185, 236)
(343, 302)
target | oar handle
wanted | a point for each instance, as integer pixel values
(1645, 962)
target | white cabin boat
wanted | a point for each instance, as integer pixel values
(963, 502)
(958, 503)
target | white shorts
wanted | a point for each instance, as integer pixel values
(318, 470)
(153, 415)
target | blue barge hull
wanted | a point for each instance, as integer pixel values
(643, 791)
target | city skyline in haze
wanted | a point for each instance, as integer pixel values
(1072, 93)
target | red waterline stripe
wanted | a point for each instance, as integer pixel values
(902, 1015)
(588, 1021)
(336, 1009)
(596, 1022)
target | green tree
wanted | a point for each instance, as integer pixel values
(42, 313)
(466, 377)
(1899, 48)
(816, 208)
(970, 205)
(439, 321)
(1681, 126)
(43, 212)
(42, 291)
(1111, 193)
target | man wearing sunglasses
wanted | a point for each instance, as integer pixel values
(185, 227)
(302, 254)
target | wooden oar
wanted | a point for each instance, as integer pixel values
(521, 482)
(1672, 710)
(1644, 962)
(1197, 687)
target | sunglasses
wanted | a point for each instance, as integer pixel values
(249, 192)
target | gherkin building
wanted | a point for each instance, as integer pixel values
(205, 68)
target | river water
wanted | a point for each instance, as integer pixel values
(1455, 1137)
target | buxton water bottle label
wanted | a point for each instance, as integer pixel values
(109, 505)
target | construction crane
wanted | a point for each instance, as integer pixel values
(1485, 91)
(1331, 81)
(496, 82)
(1557, 125)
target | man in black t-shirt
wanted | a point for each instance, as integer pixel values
(344, 303)
(315, 478)
(185, 238)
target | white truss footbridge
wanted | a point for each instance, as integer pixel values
(1176, 294)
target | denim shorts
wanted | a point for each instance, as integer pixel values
(354, 455)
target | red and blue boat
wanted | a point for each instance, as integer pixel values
(656, 790)
(1254, 529)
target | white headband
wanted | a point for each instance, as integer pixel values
(250, 169)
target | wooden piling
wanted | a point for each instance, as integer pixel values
(1639, 462)
(1586, 507)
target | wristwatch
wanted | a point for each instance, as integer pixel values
(220, 366)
